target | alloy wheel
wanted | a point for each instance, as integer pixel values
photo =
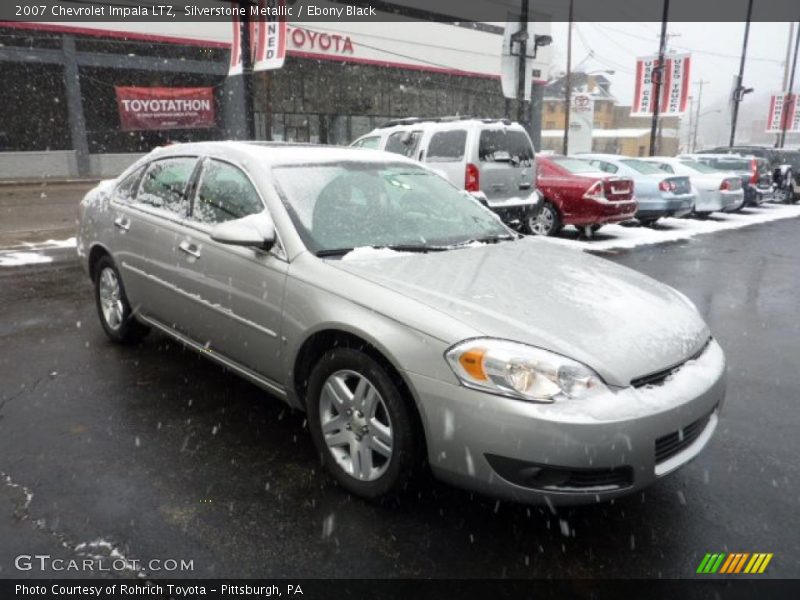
(355, 425)
(110, 298)
(544, 222)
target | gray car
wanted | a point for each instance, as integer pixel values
(658, 194)
(414, 328)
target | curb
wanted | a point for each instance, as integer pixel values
(41, 182)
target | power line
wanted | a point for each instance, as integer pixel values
(687, 48)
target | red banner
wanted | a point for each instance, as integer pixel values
(676, 79)
(165, 108)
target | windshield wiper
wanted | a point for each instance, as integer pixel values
(488, 239)
(333, 252)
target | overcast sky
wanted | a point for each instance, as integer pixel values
(715, 49)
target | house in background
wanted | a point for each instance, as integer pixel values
(615, 131)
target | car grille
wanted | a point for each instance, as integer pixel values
(658, 377)
(673, 443)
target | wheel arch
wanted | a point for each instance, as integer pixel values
(96, 252)
(332, 336)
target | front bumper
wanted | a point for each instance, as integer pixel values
(619, 432)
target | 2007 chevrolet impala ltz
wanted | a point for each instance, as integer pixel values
(413, 327)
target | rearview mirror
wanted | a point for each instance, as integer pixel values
(256, 231)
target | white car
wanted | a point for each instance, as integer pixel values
(493, 159)
(715, 191)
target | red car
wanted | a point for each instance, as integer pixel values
(576, 193)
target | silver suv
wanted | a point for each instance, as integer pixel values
(491, 158)
(413, 327)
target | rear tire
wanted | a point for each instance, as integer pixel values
(361, 424)
(547, 221)
(648, 222)
(113, 308)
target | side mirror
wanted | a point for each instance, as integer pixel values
(257, 231)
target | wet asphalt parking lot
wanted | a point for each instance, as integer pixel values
(157, 453)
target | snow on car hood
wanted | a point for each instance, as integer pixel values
(621, 323)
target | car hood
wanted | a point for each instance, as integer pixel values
(621, 323)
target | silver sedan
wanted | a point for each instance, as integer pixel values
(413, 327)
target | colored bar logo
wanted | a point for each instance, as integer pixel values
(734, 563)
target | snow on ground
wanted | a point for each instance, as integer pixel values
(669, 230)
(16, 259)
(32, 254)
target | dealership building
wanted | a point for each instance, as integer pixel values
(67, 87)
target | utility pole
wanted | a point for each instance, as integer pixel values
(658, 72)
(247, 68)
(522, 65)
(689, 130)
(739, 90)
(568, 81)
(787, 107)
(700, 84)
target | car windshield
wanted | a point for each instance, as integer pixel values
(698, 166)
(574, 165)
(339, 207)
(642, 167)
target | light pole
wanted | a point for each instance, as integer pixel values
(739, 91)
(568, 81)
(658, 72)
(700, 84)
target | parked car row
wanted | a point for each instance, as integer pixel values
(783, 165)
(591, 190)
(493, 159)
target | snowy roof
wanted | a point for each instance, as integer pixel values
(281, 152)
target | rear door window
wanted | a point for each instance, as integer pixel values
(404, 143)
(126, 190)
(447, 146)
(165, 184)
(225, 193)
(604, 166)
(498, 144)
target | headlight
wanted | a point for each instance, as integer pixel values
(521, 371)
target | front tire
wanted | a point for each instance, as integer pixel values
(361, 424)
(113, 307)
(548, 221)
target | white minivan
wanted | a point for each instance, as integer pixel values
(491, 158)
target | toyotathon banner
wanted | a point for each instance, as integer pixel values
(676, 79)
(581, 123)
(783, 108)
(148, 108)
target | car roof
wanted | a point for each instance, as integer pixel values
(441, 124)
(279, 153)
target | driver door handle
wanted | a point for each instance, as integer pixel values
(122, 223)
(189, 248)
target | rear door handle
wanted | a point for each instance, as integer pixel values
(122, 223)
(189, 248)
